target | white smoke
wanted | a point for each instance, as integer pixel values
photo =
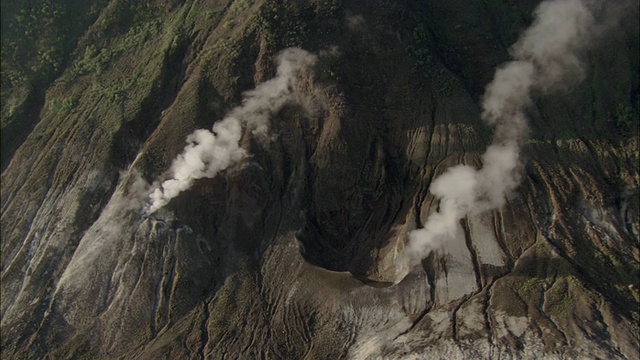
(209, 152)
(545, 56)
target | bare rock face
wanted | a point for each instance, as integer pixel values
(294, 251)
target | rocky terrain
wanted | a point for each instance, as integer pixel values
(292, 252)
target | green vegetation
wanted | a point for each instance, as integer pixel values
(34, 43)
(38, 37)
(228, 24)
(144, 25)
(240, 6)
(567, 134)
(396, 8)
(546, 280)
(65, 106)
(281, 26)
(285, 24)
(560, 300)
(531, 288)
(510, 17)
(624, 117)
(426, 66)
(422, 48)
(44, 39)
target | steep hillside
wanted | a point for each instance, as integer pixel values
(295, 249)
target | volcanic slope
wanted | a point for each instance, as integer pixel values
(292, 251)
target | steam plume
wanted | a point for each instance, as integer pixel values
(209, 152)
(545, 56)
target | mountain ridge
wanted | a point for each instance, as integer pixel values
(276, 257)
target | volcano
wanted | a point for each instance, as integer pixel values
(315, 140)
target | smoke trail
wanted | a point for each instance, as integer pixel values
(209, 152)
(545, 56)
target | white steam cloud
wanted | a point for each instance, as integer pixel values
(545, 56)
(209, 152)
